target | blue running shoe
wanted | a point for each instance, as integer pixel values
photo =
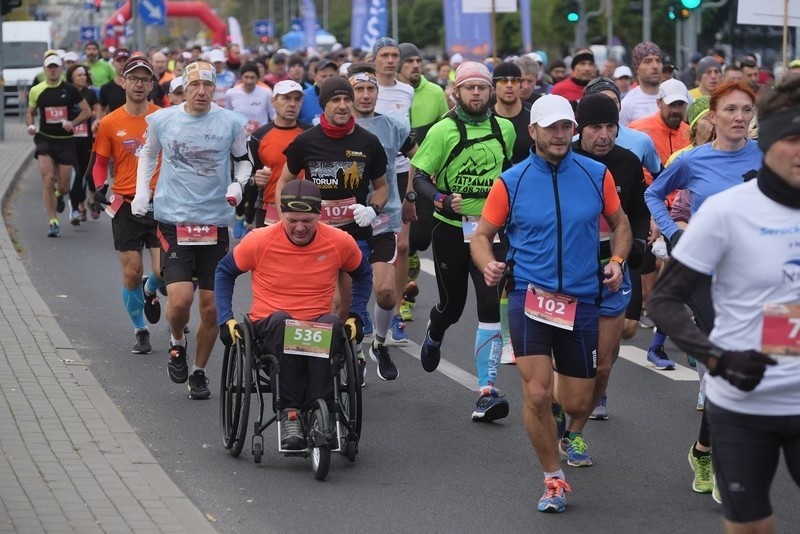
(561, 420)
(600, 412)
(239, 228)
(397, 332)
(430, 355)
(574, 448)
(54, 229)
(554, 499)
(659, 359)
(368, 330)
(490, 407)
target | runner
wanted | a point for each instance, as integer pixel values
(78, 76)
(641, 100)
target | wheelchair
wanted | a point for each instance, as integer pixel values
(245, 371)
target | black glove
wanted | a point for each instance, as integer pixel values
(636, 255)
(447, 205)
(100, 197)
(672, 242)
(229, 332)
(354, 328)
(742, 369)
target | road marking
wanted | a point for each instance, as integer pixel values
(447, 368)
(639, 357)
(426, 266)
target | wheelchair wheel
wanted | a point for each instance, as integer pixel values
(230, 397)
(319, 427)
(245, 381)
(351, 392)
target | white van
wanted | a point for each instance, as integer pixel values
(24, 45)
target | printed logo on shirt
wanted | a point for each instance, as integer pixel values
(130, 146)
(354, 154)
(336, 174)
(211, 136)
(791, 272)
(121, 133)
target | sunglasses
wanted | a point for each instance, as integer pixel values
(507, 81)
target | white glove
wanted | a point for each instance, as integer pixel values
(363, 215)
(660, 250)
(234, 194)
(139, 204)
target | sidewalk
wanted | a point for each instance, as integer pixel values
(69, 460)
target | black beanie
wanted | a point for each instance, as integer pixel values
(507, 69)
(408, 50)
(250, 67)
(596, 109)
(333, 86)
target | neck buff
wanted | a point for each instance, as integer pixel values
(582, 83)
(775, 188)
(472, 120)
(333, 131)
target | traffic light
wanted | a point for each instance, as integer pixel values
(691, 4)
(8, 5)
(672, 12)
(573, 12)
(676, 10)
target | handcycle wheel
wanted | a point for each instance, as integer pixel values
(230, 397)
(351, 391)
(258, 451)
(245, 379)
(319, 426)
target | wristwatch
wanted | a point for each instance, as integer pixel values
(376, 208)
(618, 260)
(411, 196)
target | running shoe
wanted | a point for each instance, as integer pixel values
(413, 266)
(177, 369)
(198, 386)
(411, 291)
(600, 412)
(292, 438)
(554, 499)
(152, 306)
(645, 321)
(691, 360)
(715, 494)
(239, 228)
(54, 229)
(507, 354)
(60, 203)
(95, 212)
(75, 218)
(397, 332)
(659, 359)
(490, 407)
(82, 210)
(142, 345)
(574, 448)
(406, 313)
(430, 355)
(386, 368)
(701, 401)
(703, 481)
(561, 420)
(368, 330)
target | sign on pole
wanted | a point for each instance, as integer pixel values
(89, 33)
(485, 6)
(153, 12)
(264, 28)
(767, 13)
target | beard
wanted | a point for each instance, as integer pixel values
(472, 109)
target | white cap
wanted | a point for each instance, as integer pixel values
(456, 59)
(673, 90)
(70, 56)
(534, 56)
(622, 71)
(52, 60)
(60, 52)
(344, 67)
(216, 56)
(176, 83)
(550, 109)
(287, 86)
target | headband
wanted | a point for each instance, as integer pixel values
(199, 71)
(363, 77)
(698, 117)
(777, 126)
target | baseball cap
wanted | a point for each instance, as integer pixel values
(137, 63)
(550, 109)
(301, 196)
(216, 56)
(326, 64)
(622, 71)
(794, 63)
(52, 60)
(122, 53)
(287, 86)
(175, 84)
(71, 56)
(672, 91)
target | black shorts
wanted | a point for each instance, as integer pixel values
(746, 453)
(182, 263)
(402, 184)
(382, 248)
(61, 150)
(574, 352)
(634, 309)
(132, 232)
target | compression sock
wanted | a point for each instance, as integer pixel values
(381, 320)
(195, 368)
(504, 318)
(488, 345)
(134, 303)
(153, 284)
(555, 474)
(658, 340)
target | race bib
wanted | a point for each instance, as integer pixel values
(271, 214)
(55, 114)
(196, 234)
(781, 333)
(114, 204)
(469, 223)
(336, 212)
(555, 309)
(380, 224)
(307, 338)
(81, 130)
(251, 126)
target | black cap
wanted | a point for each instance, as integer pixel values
(596, 109)
(334, 86)
(301, 196)
(597, 85)
(326, 64)
(296, 60)
(250, 66)
(507, 69)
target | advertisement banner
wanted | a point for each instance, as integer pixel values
(309, 23)
(369, 23)
(525, 19)
(468, 34)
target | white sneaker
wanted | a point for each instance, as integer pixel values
(507, 356)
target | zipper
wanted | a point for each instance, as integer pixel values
(559, 230)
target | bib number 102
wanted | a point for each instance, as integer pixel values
(551, 306)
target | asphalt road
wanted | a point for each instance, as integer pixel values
(423, 465)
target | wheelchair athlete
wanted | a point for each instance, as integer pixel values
(295, 265)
